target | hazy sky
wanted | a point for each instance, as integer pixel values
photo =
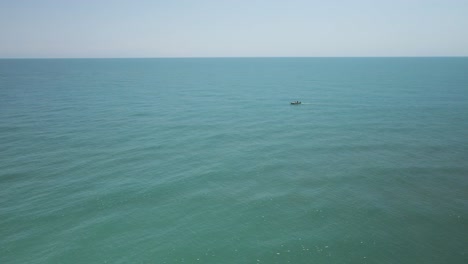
(226, 28)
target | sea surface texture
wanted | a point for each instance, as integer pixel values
(206, 161)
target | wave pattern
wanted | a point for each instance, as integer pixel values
(205, 160)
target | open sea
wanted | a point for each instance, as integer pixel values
(206, 161)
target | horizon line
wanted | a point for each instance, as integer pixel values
(228, 57)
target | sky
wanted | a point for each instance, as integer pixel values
(232, 28)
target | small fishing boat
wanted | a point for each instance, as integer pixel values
(296, 103)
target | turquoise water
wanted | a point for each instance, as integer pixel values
(205, 160)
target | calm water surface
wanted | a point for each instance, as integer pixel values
(205, 160)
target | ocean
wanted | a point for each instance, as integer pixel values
(204, 160)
